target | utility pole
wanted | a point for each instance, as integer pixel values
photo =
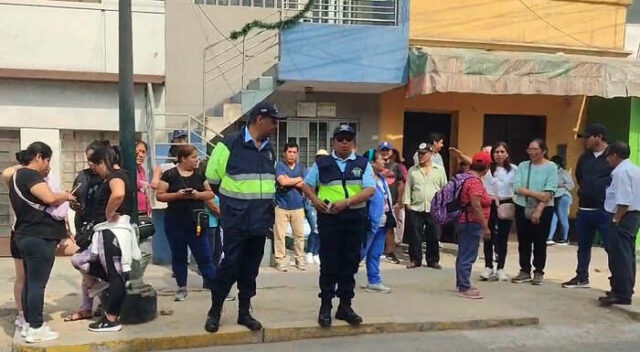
(125, 90)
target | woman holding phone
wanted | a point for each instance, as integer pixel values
(186, 224)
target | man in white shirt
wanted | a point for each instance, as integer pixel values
(623, 202)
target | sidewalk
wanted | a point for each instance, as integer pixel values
(423, 300)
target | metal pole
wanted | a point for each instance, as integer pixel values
(127, 112)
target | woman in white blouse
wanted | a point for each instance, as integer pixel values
(499, 184)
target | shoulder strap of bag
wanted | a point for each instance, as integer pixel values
(526, 199)
(32, 204)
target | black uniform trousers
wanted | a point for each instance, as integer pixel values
(241, 263)
(622, 255)
(341, 239)
(422, 227)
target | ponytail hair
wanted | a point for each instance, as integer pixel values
(24, 157)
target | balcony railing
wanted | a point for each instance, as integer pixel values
(349, 12)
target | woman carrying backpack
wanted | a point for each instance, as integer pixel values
(472, 224)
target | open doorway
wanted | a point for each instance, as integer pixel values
(417, 126)
(516, 130)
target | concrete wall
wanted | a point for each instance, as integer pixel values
(563, 116)
(632, 39)
(578, 23)
(64, 105)
(188, 32)
(60, 35)
(362, 107)
(344, 53)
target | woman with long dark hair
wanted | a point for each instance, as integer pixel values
(114, 244)
(37, 232)
(499, 184)
(186, 224)
(535, 184)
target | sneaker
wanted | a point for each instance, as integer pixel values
(309, 258)
(563, 243)
(316, 259)
(575, 283)
(300, 266)
(392, 258)
(487, 274)
(522, 277)
(281, 268)
(538, 279)
(24, 330)
(104, 325)
(377, 288)
(502, 275)
(551, 242)
(181, 295)
(40, 334)
(230, 298)
(97, 288)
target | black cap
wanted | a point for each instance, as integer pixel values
(344, 129)
(425, 147)
(267, 109)
(593, 130)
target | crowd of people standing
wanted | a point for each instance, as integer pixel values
(359, 208)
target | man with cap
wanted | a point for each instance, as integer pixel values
(241, 172)
(623, 203)
(593, 174)
(345, 183)
(424, 180)
(396, 182)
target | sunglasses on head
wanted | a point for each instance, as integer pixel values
(344, 138)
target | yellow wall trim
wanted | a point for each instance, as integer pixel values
(610, 2)
(507, 46)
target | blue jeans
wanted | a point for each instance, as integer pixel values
(561, 213)
(313, 241)
(181, 233)
(469, 235)
(587, 222)
(372, 250)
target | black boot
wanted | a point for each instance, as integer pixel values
(346, 313)
(213, 317)
(324, 317)
(244, 316)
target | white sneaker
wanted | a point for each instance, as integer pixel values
(181, 295)
(40, 334)
(486, 274)
(502, 275)
(25, 328)
(316, 259)
(308, 258)
(378, 288)
(551, 242)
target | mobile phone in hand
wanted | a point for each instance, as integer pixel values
(188, 190)
(328, 203)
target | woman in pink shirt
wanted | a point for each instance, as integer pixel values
(144, 202)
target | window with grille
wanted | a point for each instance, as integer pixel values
(73, 158)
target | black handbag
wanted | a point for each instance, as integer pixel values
(84, 236)
(145, 227)
(140, 305)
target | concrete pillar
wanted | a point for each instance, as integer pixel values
(49, 136)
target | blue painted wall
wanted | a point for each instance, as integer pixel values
(346, 53)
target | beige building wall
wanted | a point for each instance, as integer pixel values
(589, 24)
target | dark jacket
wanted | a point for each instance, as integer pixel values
(593, 176)
(89, 185)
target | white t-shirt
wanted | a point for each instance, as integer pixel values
(501, 181)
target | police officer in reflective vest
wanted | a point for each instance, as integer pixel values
(241, 172)
(345, 183)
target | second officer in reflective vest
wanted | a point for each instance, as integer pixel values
(242, 173)
(345, 183)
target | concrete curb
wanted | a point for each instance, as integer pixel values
(290, 331)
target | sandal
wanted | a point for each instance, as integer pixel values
(79, 315)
